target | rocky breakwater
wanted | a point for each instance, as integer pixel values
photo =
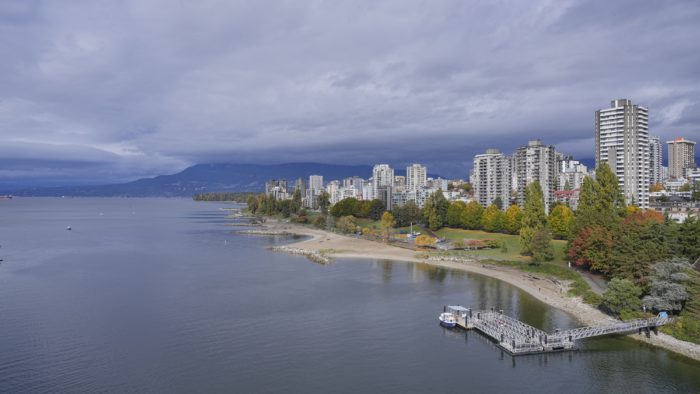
(313, 255)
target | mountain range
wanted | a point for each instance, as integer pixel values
(203, 178)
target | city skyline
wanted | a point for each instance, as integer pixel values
(91, 94)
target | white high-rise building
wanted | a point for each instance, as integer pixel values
(622, 141)
(571, 174)
(416, 176)
(491, 178)
(315, 184)
(655, 160)
(382, 183)
(537, 162)
(681, 154)
(382, 176)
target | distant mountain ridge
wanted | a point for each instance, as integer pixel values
(203, 178)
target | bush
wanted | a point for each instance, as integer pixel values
(591, 298)
(346, 224)
(622, 296)
(320, 221)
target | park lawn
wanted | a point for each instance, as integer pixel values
(512, 243)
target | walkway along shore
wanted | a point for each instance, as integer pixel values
(328, 245)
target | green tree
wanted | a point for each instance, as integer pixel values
(492, 219)
(296, 201)
(685, 188)
(622, 296)
(471, 215)
(513, 219)
(346, 207)
(498, 202)
(376, 209)
(467, 187)
(561, 221)
(688, 239)
(534, 219)
(324, 201)
(407, 214)
(435, 210)
(387, 223)
(454, 214)
(541, 246)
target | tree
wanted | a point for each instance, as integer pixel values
(533, 212)
(685, 188)
(513, 219)
(592, 247)
(668, 292)
(610, 198)
(492, 219)
(435, 210)
(407, 214)
(346, 224)
(296, 201)
(471, 215)
(657, 187)
(346, 207)
(387, 223)
(622, 296)
(324, 201)
(498, 202)
(253, 204)
(541, 246)
(641, 239)
(467, 187)
(454, 214)
(534, 220)
(561, 221)
(376, 209)
(688, 240)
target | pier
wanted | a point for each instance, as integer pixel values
(518, 338)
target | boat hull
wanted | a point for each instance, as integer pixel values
(447, 324)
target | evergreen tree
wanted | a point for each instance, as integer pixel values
(376, 209)
(534, 222)
(622, 296)
(435, 210)
(498, 202)
(296, 201)
(324, 201)
(541, 246)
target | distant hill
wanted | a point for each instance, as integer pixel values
(207, 178)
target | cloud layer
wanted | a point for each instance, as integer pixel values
(105, 90)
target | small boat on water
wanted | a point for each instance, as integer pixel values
(69, 228)
(6, 197)
(447, 319)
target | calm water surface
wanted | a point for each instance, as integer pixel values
(160, 295)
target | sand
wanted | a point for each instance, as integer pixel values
(334, 245)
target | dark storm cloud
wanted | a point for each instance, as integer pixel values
(146, 87)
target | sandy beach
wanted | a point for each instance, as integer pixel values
(339, 246)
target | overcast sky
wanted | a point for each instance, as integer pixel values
(115, 90)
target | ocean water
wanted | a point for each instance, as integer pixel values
(161, 295)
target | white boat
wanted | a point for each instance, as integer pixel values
(447, 319)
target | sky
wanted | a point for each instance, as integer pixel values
(109, 91)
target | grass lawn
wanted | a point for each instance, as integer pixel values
(511, 241)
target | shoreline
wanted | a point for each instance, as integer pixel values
(337, 246)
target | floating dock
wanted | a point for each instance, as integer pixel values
(518, 338)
